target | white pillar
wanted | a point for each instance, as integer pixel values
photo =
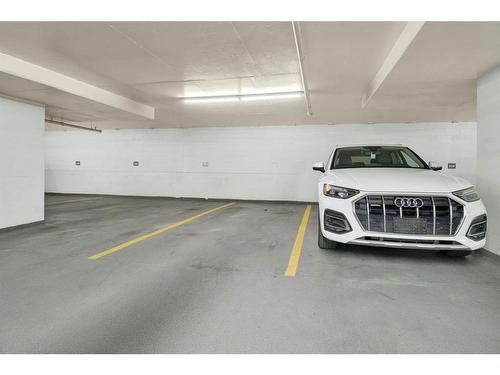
(488, 153)
(22, 172)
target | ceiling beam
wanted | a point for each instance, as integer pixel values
(26, 70)
(404, 40)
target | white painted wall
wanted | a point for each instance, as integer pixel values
(264, 163)
(21, 163)
(488, 153)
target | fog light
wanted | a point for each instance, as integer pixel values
(477, 229)
(336, 222)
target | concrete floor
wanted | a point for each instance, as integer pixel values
(216, 285)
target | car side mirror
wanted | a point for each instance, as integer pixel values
(320, 166)
(435, 166)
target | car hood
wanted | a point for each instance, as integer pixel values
(395, 179)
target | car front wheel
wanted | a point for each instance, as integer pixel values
(323, 242)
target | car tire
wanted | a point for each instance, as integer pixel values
(457, 253)
(323, 242)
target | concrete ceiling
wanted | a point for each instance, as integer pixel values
(159, 63)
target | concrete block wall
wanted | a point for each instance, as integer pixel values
(262, 163)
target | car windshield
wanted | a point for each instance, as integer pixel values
(376, 157)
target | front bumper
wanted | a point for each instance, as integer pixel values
(359, 236)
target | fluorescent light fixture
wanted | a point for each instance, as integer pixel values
(280, 95)
(244, 98)
(212, 99)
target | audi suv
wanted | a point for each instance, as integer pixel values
(386, 195)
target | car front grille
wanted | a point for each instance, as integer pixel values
(438, 215)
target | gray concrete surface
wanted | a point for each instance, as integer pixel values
(216, 285)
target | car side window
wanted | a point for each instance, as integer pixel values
(398, 159)
(409, 161)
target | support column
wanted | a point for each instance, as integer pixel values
(22, 164)
(488, 153)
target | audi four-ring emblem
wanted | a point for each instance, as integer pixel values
(408, 202)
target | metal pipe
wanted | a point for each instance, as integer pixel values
(298, 46)
(61, 123)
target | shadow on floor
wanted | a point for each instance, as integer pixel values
(415, 254)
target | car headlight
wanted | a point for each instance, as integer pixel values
(338, 191)
(468, 195)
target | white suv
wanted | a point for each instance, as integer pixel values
(386, 195)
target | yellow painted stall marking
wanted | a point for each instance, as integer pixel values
(293, 263)
(156, 232)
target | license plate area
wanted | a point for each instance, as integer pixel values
(410, 225)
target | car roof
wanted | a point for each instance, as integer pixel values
(368, 145)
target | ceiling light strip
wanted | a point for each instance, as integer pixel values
(243, 98)
(298, 45)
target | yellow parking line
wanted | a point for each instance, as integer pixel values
(293, 263)
(156, 232)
